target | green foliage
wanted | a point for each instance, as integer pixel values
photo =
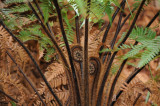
(147, 97)
(97, 8)
(109, 10)
(17, 9)
(68, 26)
(47, 9)
(14, 1)
(148, 48)
(115, 67)
(13, 104)
(34, 33)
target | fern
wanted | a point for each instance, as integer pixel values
(17, 9)
(149, 46)
(47, 9)
(34, 33)
(152, 51)
(98, 8)
(14, 1)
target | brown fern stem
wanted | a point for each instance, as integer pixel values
(131, 76)
(135, 101)
(21, 71)
(95, 80)
(77, 28)
(114, 54)
(41, 13)
(109, 26)
(113, 17)
(33, 60)
(153, 19)
(8, 96)
(108, 53)
(124, 62)
(85, 86)
(68, 50)
(114, 40)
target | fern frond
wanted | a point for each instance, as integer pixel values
(147, 56)
(47, 9)
(140, 34)
(17, 9)
(14, 1)
(133, 52)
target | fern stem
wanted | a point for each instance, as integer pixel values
(112, 45)
(116, 34)
(85, 68)
(77, 28)
(135, 101)
(104, 80)
(131, 76)
(124, 62)
(85, 84)
(109, 26)
(113, 17)
(34, 61)
(124, 21)
(157, 14)
(48, 26)
(71, 77)
(68, 50)
(133, 23)
(21, 71)
(8, 96)
(114, 54)
(118, 28)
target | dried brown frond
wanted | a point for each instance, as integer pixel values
(12, 86)
(93, 45)
(11, 79)
(57, 78)
(131, 92)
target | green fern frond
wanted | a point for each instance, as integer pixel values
(131, 64)
(47, 9)
(115, 67)
(135, 50)
(97, 8)
(68, 27)
(152, 50)
(121, 39)
(147, 56)
(15, 1)
(125, 46)
(140, 34)
(17, 9)
(26, 36)
(49, 54)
